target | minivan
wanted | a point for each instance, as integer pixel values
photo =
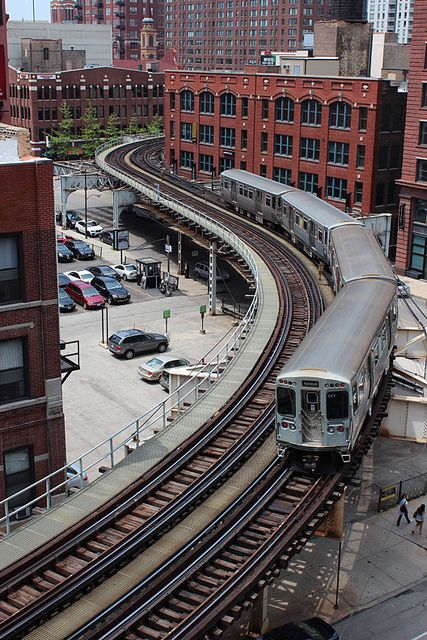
(201, 269)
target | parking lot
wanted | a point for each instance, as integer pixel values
(107, 392)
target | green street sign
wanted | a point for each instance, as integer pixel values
(166, 314)
(202, 309)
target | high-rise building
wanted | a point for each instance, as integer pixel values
(4, 92)
(125, 17)
(392, 15)
(411, 256)
(347, 9)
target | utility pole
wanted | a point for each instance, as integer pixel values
(85, 203)
(34, 11)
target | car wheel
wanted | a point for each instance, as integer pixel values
(162, 347)
(125, 277)
(85, 306)
(129, 354)
(110, 300)
(79, 256)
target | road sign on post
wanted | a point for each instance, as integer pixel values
(166, 315)
(120, 239)
(202, 315)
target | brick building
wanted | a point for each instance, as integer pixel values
(36, 98)
(338, 137)
(4, 90)
(32, 437)
(412, 237)
(124, 16)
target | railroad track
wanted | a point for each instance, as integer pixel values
(96, 547)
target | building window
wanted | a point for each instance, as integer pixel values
(45, 53)
(421, 170)
(422, 138)
(340, 115)
(284, 110)
(244, 140)
(206, 134)
(172, 129)
(11, 281)
(282, 145)
(19, 473)
(308, 181)
(358, 192)
(264, 109)
(264, 142)
(228, 104)
(227, 137)
(336, 188)
(186, 131)
(245, 106)
(171, 100)
(187, 100)
(243, 165)
(205, 163)
(418, 253)
(309, 149)
(186, 159)
(225, 164)
(282, 175)
(13, 370)
(382, 157)
(311, 112)
(420, 211)
(360, 156)
(424, 95)
(363, 118)
(263, 170)
(338, 153)
(207, 102)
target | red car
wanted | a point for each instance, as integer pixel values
(84, 294)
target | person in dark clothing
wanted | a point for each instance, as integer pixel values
(403, 510)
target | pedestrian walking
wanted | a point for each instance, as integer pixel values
(403, 509)
(419, 518)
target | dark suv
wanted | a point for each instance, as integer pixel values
(131, 342)
(112, 290)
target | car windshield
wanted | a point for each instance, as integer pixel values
(63, 295)
(154, 362)
(130, 267)
(81, 245)
(106, 269)
(91, 292)
(92, 223)
(114, 285)
(115, 338)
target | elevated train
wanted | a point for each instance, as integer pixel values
(327, 388)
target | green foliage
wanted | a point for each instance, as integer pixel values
(112, 130)
(155, 127)
(133, 127)
(92, 132)
(60, 141)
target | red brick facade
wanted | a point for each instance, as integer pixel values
(4, 89)
(35, 419)
(352, 148)
(36, 98)
(412, 235)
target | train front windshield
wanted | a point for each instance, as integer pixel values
(337, 405)
(286, 402)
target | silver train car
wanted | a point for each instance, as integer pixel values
(328, 386)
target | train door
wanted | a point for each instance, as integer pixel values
(312, 234)
(233, 191)
(258, 202)
(311, 417)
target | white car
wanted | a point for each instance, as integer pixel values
(93, 228)
(126, 271)
(84, 275)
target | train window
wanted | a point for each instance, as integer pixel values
(296, 219)
(320, 235)
(286, 402)
(337, 405)
(384, 337)
(225, 184)
(273, 202)
(250, 194)
(241, 190)
(305, 224)
(355, 398)
(376, 350)
(268, 201)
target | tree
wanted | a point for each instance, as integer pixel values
(92, 131)
(155, 127)
(60, 141)
(112, 130)
(133, 127)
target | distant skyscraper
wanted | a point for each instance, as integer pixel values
(347, 9)
(392, 15)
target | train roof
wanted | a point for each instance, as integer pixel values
(359, 255)
(343, 335)
(320, 211)
(257, 182)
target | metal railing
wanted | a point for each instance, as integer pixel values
(414, 487)
(50, 489)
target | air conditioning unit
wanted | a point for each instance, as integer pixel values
(22, 514)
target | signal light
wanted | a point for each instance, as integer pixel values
(341, 428)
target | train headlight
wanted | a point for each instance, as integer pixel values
(331, 429)
(292, 427)
(284, 425)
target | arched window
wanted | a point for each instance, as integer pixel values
(228, 104)
(150, 41)
(311, 112)
(284, 110)
(187, 100)
(207, 102)
(340, 115)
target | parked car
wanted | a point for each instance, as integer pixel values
(75, 480)
(107, 236)
(83, 274)
(112, 290)
(104, 270)
(61, 238)
(131, 342)
(153, 369)
(65, 303)
(201, 269)
(63, 253)
(92, 227)
(71, 217)
(81, 250)
(403, 289)
(63, 280)
(126, 271)
(312, 629)
(84, 294)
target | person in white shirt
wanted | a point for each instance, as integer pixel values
(403, 510)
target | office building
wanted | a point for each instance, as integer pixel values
(392, 15)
